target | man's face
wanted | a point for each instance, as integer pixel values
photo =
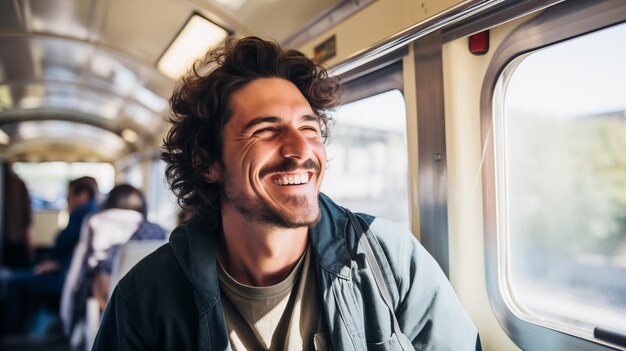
(274, 156)
(76, 200)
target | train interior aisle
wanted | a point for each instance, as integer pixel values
(494, 130)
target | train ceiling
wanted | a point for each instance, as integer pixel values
(71, 68)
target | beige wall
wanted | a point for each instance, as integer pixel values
(376, 22)
(463, 79)
(46, 226)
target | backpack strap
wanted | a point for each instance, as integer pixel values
(364, 243)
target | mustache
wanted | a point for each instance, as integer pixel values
(289, 165)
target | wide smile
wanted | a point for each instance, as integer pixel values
(293, 178)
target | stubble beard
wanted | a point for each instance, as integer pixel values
(254, 209)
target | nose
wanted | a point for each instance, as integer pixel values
(295, 145)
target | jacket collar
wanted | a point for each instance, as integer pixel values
(195, 247)
(328, 238)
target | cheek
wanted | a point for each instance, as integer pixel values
(257, 157)
(320, 152)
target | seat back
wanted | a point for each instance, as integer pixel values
(128, 256)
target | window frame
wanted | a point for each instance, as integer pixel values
(559, 23)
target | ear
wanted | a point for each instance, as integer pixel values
(214, 173)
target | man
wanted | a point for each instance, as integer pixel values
(267, 262)
(46, 279)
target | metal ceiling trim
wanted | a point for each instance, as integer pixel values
(18, 12)
(324, 21)
(107, 49)
(495, 16)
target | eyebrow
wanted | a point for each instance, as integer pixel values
(309, 118)
(259, 120)
(273, 119)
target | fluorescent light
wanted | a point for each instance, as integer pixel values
(232, 4)
(129, 135)
(198, 35)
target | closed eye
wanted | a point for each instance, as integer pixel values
(266, 132)
(312, 131)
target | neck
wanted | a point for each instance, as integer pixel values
(259, 254)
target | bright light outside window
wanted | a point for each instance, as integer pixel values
(133, 175)
(47, 181)
(163, 207)
(561, 159)
(367, 157)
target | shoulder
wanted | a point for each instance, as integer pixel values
(152, 307)
(404, 254)
(391, 236)
(149, 231)
(155, 269)
(157, 288)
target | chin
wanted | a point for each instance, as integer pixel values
(296, 217)
(291, 222)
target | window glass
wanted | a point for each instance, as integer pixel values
(162, 206)
(133, 175)
(561, 159)
(47, 181)
(367, 157)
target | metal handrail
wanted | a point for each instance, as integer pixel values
(443, 19)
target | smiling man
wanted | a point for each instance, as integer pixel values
(268, 262)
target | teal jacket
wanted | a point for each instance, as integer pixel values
(171, 299)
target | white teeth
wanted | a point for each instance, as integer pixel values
(297, 179)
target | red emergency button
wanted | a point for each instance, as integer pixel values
(479, 43)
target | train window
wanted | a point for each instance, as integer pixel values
(47, 181)
(133, 175)
(162, 204)
(560, 136)
(367, 157)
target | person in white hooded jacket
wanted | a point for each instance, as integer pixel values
(122, 219)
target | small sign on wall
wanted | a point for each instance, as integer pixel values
(326, 50)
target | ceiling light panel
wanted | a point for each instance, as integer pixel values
(149, 99)
(62, 60)
(193, 41)
(113, 73)
(70, 131)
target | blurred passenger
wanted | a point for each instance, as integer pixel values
(25, 288)
(17, 247)
(123, 218)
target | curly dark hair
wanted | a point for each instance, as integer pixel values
(126, 197)
(201, 107)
